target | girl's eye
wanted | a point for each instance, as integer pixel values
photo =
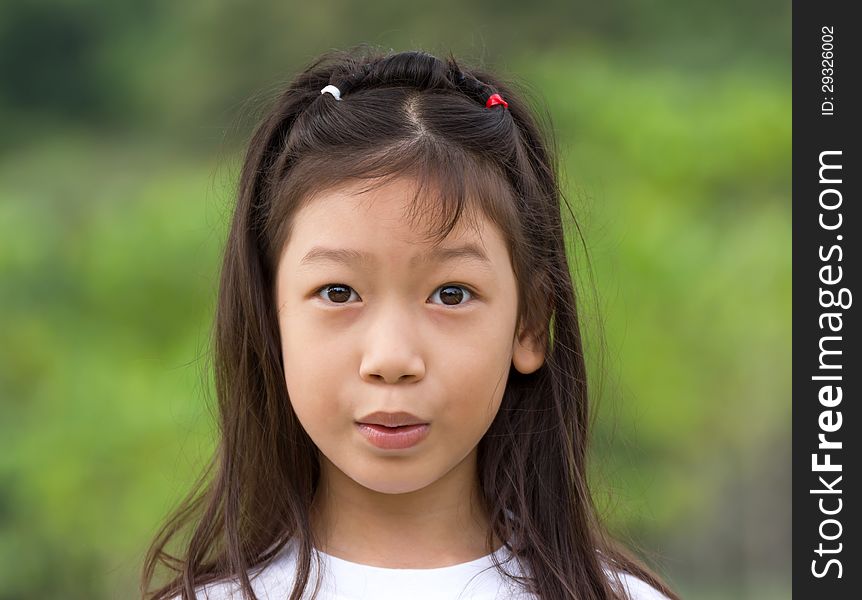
(451, 295)
(338, 293)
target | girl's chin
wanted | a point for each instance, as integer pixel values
(388, 481)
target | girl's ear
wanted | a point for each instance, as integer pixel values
(528, 353)
(528, 348)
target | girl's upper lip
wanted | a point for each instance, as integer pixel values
(391, 419)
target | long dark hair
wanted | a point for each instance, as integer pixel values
(407, 113)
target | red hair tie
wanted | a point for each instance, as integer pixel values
(496, 99)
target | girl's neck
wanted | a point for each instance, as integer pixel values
(442, 524)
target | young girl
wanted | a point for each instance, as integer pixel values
(398, 361)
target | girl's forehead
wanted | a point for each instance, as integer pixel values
(394, 207)
(375, 228)
(371, 232)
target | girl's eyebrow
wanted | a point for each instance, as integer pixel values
(349, 256)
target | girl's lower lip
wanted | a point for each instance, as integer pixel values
(393, 438)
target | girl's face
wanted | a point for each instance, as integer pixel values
(369, 322)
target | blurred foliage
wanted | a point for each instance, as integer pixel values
(123, 125)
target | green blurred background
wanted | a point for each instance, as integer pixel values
(122, 129)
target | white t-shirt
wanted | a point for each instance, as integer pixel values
(345, 580)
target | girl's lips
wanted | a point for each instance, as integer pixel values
(394, 438)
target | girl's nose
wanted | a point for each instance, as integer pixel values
(392, 350)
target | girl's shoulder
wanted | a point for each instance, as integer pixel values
(275, 580)
(636, 588)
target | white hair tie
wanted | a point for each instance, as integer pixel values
(336, 93)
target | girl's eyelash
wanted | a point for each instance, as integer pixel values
(473, 294)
